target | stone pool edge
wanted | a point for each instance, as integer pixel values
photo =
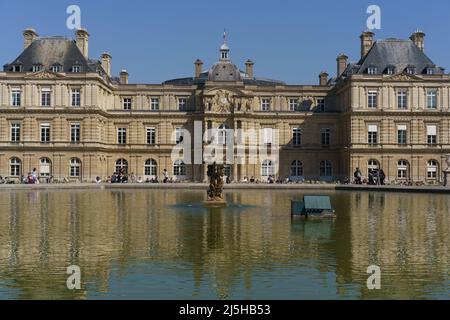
(238, 186)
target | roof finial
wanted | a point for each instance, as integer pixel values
(224, 35)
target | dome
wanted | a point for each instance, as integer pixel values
(224, 47)
(224, 71)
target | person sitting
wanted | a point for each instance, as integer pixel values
(139, 180)
(165, 176)
(252, 179)
(98, 179)
(2, 181)
(245, 180)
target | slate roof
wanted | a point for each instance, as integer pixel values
(54, 50)
(396, 53)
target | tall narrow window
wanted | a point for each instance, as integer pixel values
(46, 97)
(325, 168)
(402, 169)
(16, 97)
(293, 104)
(45, 132)
(76, 98)
(121, 135)
(182, 104)
(321, 105)
(154, 104)
(178, 135)
(431, 99)
(431, 134)
(372, 131)
(150, 168)
(75, 129)
(267, 168)
(75, 168)
(432, 169)
(15, 166)
(265, 104)
(151, 135)
(401, 134)
(127, 103)
(297, 136)
(45, 166)
(372, 99)
(325, 135)
(179, 168)
(296, 168)
(402, 99)
(15, 132)
(267, 136)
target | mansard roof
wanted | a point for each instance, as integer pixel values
(50, 51)
(396, 53)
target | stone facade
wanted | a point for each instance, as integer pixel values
(77, 122)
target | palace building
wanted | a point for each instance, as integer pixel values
(66, 115)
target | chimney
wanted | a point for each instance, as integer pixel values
(366, 42)
(198, 68)
(418, 38)
(106, 63)
(249, 68)
(83, 42)
(124, 77)
(29, 35)
(323, 78)
(341, 64)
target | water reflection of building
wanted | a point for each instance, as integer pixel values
(109, 231)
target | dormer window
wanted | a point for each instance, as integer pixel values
(56, 68)
(17, 68)
(76, 68)
(37, 67)
(371, 70)
(411, 70)
(390, 70)
(430, 71)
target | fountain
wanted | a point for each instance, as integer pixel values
(214, 194)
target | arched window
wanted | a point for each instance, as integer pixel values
(402, 169)
(432, 169)
(179, 168)
(45, 167)
(122, 166)
(267, 168)
(296, 168)
(222, 133)
(75, 168)
(15, 165)
(150, 168)
(325, 168)
(372, 165)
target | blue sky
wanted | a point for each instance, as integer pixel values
(288, 40)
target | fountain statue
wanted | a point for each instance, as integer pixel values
(214, 194)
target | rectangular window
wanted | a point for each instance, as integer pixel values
(16, 97)
(372, 99)
(293, 104)
(178, 135)
(401, 134)
(431, 99)
(326, 134)
(265, 104)
(15, 132)
(75, 130)
(297, 136)
(182, 104)
(371, 70)
(402, 100)
(56, 68)
(267, 136)
(37, 68)
(45, 132)
(46, 97)
(151, 136)
(431, 134)
(121, 135)
(154, 104)
(76, 98)
(127, 103)
(372, 134)
(321, 105)
(76, 69)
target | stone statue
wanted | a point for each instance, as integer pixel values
(215, 174)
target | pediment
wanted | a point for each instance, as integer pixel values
(44, 75)
(403, 77)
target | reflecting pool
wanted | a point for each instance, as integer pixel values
(162, 244)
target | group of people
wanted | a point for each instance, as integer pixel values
(376, 177)
(31, 178)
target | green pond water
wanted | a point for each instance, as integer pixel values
(162, 244)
